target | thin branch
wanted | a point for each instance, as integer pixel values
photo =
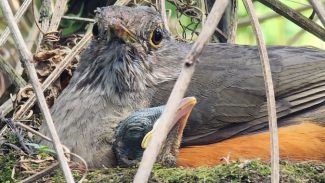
(163, 13)
(26, 57)
(78, 19)
(233, 23)
(33, 131)
(19, 14)
(159, 136)
(269, 92)
(17, 79)
(246, 21)
(58, 12)
(295, 17)
(295, 37)
(300, 33)
(7, 106)
(45, 11)
(20, 138)
(320, 10)
(41, 174)
(122, 2)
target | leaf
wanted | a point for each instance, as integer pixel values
(41, 148)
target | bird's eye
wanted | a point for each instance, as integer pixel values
(95, 30)
(156, 37)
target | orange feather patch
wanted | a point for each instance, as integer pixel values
(305, 141)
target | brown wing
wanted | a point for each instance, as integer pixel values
(229, 86)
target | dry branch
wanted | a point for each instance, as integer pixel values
(320, 10)
(163, 13)
(41, 174)
(7, 68)
(7, 106)
(271, 107)
(45, 11)
(60, 7)
(233, 22)
(159, 136)
(246, 21)
(78, 19)
(295, 17)
(26, 57)
(19, 14)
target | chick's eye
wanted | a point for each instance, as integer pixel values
(156, 37)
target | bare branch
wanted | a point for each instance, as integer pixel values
(26, 57)
(45, 11)
(7, 106)
(163, 13)
(269, 92)
(78, 19)
(159, 136)
(295, 17)
(19, 14)
(246, 21)
(17, 79)
(320, 10)
(233, 23)
(41, 174)
(58, 12)
(33, 131)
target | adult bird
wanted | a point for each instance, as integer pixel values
(132, 63)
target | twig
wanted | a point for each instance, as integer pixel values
(49, 80)
(269, 92)
(163, 13)
(150, 154)
(19, 14)
(13, 127)
(84, 162)
(41, 174)
(16, 148)
(17, 79)
(233, 23)
(26, 57)
(295, 37)
(320, 10)
(295, 17)
(45, 11)
(122, 2)
(58, 12)
(78, 19)
(246, 21)
(33, 131)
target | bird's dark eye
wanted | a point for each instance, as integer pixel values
(95, 30)
(156, 37)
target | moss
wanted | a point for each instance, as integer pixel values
(235, 172)
(7, 164)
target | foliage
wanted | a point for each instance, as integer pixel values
(248, 171)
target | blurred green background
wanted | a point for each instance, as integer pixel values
(277, 31)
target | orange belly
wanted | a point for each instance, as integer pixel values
(305, 141)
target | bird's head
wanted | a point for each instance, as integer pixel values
(131, 51)
(134, 133)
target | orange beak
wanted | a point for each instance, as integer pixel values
(183, 112)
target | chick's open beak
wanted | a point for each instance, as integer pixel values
(182, 114)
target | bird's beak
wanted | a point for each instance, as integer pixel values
(182, 114)
(124, 33)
